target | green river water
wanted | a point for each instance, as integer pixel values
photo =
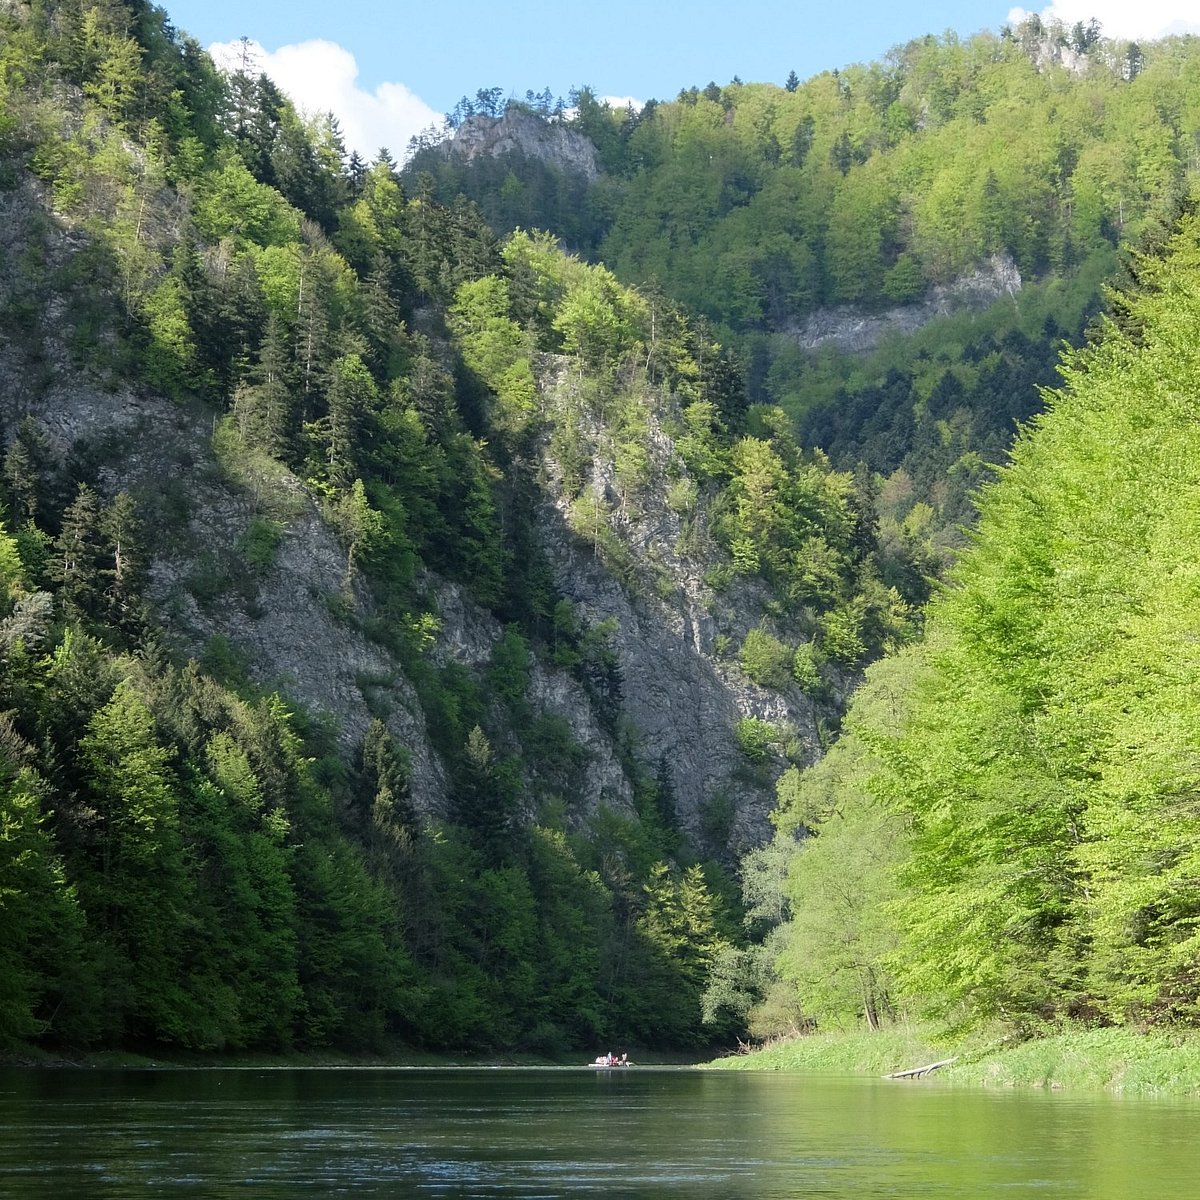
(640, 1132)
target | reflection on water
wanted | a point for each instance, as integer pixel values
(551, 1133)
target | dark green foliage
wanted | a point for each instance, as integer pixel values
(25, 462)
(385, 775)
(199, 865)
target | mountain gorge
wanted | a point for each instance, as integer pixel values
(423, 591)
(415, 624)
(796, 217)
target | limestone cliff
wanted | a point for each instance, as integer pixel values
(683, 693)
(850, 328)
(297, 624)
(524, 133)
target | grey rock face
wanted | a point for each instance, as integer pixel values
(298, 632)
(524, 133)
(682, 699)
(850, 329)
(281, 621)
(297, 623)
(468, 636)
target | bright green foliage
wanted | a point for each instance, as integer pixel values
(678, 923)
(754, 205)
(11, 571)
(837, 949)
(766, 659)
(806, 669)
(841, 633)
(756, 737)
(235, 205)
(786, 517)
(594, 319)
(494, 346)
(362, 529)
(1043, 759)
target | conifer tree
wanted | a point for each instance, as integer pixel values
(75, 566)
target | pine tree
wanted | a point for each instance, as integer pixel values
(351, 399)
(263, 408)
(123, 533)
(25, 460)
(385, 770)
(75, 566)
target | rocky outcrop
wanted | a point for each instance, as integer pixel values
(289, 624)
(849, 328)
(296, 624)
(520, 132)
(682, 696)
(681, 703)
(468, 636)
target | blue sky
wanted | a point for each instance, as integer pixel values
(389, 69)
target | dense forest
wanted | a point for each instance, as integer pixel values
(253, 387)
(193, 857)
(862, 189)
(1008, 830)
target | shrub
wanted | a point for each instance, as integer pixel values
(755, 738)
(806, 670)
(260, 542)
(766, 659)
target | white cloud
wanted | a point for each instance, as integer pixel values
(1144, 21)
(321, 76)
(623, 102)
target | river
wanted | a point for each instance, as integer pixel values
(532, 1133)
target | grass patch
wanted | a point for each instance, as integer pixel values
(848, 1053)
(1160, 1062)
(274, 490)
(1157, 1063)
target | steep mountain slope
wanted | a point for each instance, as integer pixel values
(794, 218)
(401, 632)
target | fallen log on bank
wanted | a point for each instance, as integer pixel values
(917, 1072)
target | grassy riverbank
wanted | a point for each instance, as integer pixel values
(1164, 1063)
(834, 1053)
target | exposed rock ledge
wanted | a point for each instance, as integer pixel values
(848, 328)
(523, 133)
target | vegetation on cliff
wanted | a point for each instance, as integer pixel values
(1004, 833)
(756, 205)
(189, 857)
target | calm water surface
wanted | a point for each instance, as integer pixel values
(571, 1132)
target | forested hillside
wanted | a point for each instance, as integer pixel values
(1009, 832)
(402, 630)
(858, 191)
(406, 625)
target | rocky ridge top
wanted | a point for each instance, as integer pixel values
(521, 132)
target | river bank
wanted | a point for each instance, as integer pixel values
(1156, 1063)
(397, 1056)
